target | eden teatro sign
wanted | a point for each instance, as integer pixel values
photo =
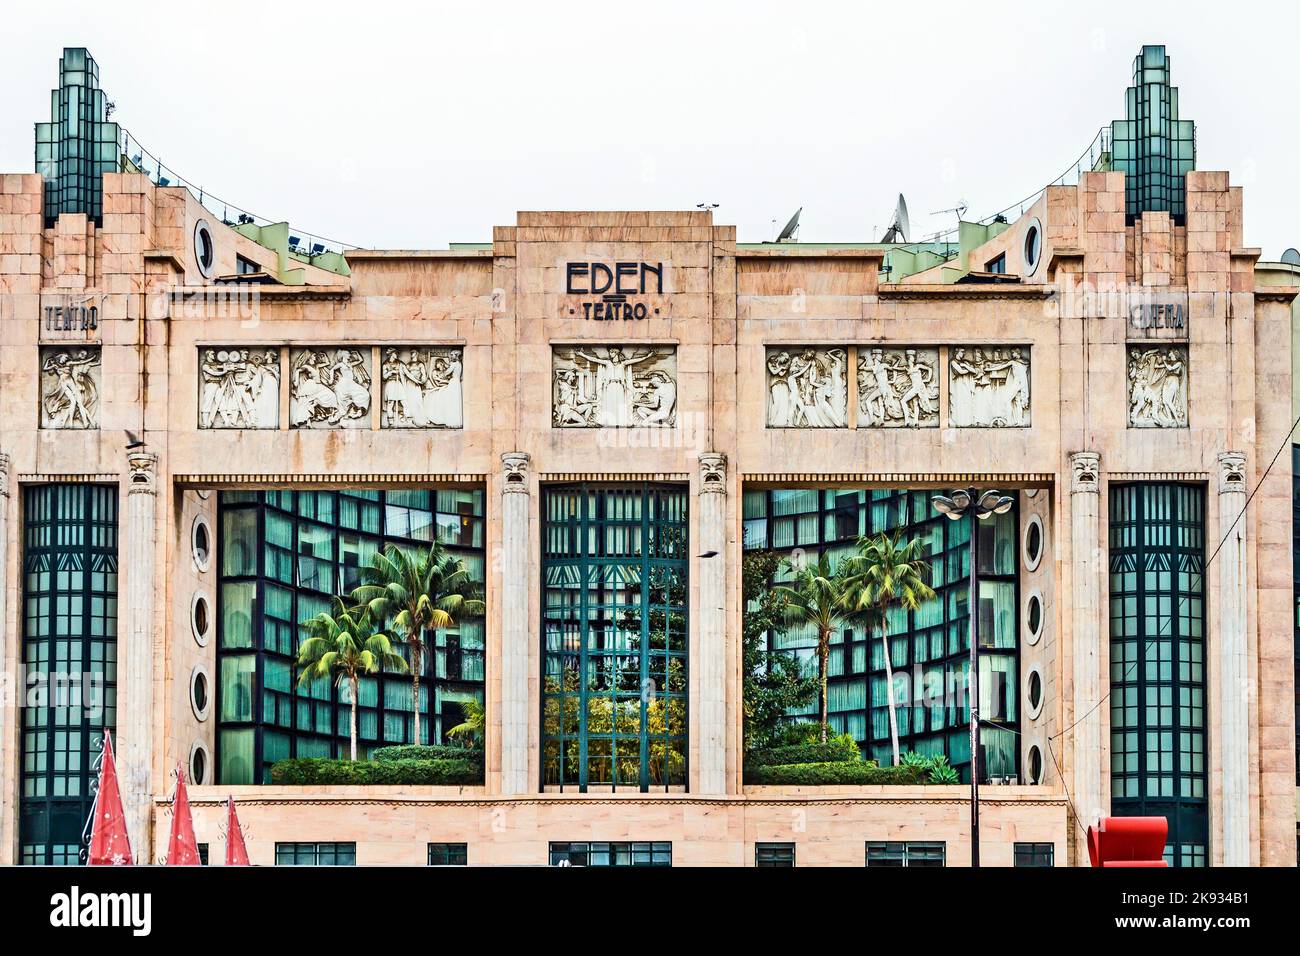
(614, 288)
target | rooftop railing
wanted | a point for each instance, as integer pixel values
(300, 242)
(1086, 162)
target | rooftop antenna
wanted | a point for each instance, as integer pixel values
(1291, 257)
(959, 209)
(791, 227)
(901, 227)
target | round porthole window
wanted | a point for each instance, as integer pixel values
(200, 696)
(1034, 693)
(1033, 543)
(199, 763)
(200, 618)
(1033, 246)
(1035, 768)
(1034, 618)
(205, 248)
(201, 542)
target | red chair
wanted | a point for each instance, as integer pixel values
(1128, 841)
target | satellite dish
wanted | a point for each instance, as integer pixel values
(791, 227)
(898, 229)
(1291, 257)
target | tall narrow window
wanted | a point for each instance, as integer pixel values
(614, 600)
(69, 627)
(1157, 661)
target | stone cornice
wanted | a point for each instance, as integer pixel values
(895, 291)
(269, 293)
(474, 797)
(218, 480)
(614, 476)
(1276, 293)
(1011, 479)
(795, 251)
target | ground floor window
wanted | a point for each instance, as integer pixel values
(929, 647)
(315, 854)
(774, 854)
(1157, 661)
(447, 854)
(68, 621)
(614, 636)
(906, 854)
(611, 854)
(284, 555)
(1035, 854)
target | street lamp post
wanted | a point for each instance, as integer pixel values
(979, 506)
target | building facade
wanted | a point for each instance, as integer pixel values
(209, 425)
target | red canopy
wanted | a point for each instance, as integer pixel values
(236, 852)
(182, 848)
(1128, 841)
(109, 843)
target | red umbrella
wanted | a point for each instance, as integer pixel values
(109, 844)
(236, 852)
(182, 848)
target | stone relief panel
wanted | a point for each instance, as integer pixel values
(329, 388)
(898, 388)
(422, 388)
(1157, 387)
(70, 386)
(239, 388)
(614, 387)
(807, 388)
(988, 387)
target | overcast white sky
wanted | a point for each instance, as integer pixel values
(412, 125)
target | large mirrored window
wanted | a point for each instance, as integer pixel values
(929, 647)
(284, 556)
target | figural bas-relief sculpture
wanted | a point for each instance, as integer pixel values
(898, 388)
(422, 388)
(807, 388)
(329, 388)
(239, 388)
(1157, 387)
(614, 387)
(70, 380)
(988, 387)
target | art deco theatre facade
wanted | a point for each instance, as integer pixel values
(210, 422)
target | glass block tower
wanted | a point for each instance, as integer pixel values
(1151, 146)
(78, 146)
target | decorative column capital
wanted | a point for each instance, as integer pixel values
(142, 474)
(4, 475)
(1085, 472)
(514, 471)
(1232, 472)
(713, 473)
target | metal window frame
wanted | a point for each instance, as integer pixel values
(955, 549)
(264, 503)
(578, 531)
(1130, 526)
(89, 536)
